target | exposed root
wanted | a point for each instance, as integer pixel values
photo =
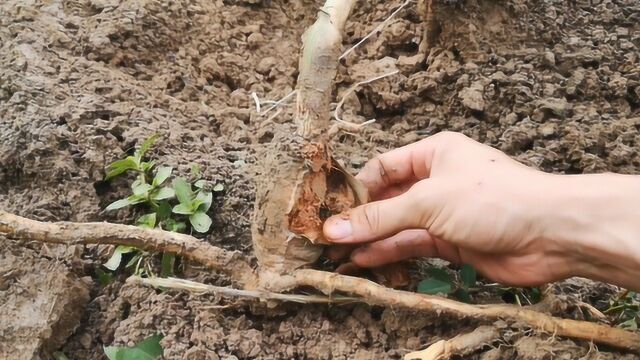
(200, 288)
(375, 294)
(460, 345)
(277, 103)
(352, 89)
(232, 263)
(376, 30)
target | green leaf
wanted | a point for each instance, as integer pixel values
(440, 274)
(58, 355)
(206, 198)
(434, 286)
(183, 209)
(162, 174)
(168, 261)
(118, 204)
(630, 324)
(131, 200)
(201, 184)
(183, 191)
(535, 295)
(104, 278)
(114, 261)
(147, 221)
(148, 349)
(163, 211)
(142, 189)
(163, 194)
(200, 221)
(462, 295)
(195, 171)
(120, 166)
(175, 226)
(146, 145)
(146, 166)
(195, 204)
(468, 275)
(218, 188)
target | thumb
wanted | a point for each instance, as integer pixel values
(380, 219)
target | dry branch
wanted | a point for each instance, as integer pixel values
(68, 233)
(375, 294)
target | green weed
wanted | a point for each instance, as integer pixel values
(463, 283)
(147, 349)
(178, 205)
(625, 309)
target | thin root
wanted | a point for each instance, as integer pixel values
(374, 31)
(351, 90)
(460, 345)
(278, 103)
(200, 288)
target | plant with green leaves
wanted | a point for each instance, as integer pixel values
(440, 281)
(147, 349)
(169, 207)
(625, 308)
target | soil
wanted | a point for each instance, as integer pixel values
(555, 84)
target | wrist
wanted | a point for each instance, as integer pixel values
(594, 222)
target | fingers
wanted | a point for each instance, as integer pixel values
(381, 219)
(404, 245)
(407, 164)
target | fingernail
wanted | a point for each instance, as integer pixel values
(338, 230)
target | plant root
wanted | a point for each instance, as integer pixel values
(200, 288)
(239, 269)
(460, 345)
(375, 294)
(230, 262)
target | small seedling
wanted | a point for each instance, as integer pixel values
(169, 207)
(194, 204)
(626, 310)
(440, 281)
(147, 349)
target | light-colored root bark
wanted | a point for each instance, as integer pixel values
(230, 262)
(375, 294)
(237, 267)
(461, 345)
(200, 288)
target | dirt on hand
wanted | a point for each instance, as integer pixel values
(554, 84)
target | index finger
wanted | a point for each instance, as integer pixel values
(406, 164)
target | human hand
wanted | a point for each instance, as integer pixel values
(448, 196)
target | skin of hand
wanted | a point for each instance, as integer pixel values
(451, 197)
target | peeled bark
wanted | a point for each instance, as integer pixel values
(306, 184)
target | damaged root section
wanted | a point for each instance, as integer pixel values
(68, 233)
(325, 189)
